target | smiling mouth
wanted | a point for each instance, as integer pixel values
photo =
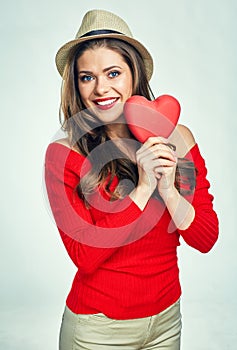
(106, 103)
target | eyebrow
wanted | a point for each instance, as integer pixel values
(104, 70)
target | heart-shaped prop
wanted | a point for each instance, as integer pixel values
(151, 118)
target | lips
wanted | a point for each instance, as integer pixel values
(105, 103)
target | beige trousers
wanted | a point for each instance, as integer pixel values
(98, 332)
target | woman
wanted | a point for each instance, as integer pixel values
(121, 206)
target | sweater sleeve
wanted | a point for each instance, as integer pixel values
(88, 242)
(203, 231)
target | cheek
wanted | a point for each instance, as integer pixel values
(125, 86)
(129, 84)
(83, 91)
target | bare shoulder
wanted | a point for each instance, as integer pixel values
(187, 135)
(183, 138)
(65, 142)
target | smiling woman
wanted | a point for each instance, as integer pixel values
(121, 206)
(101, 84)
(106, 68)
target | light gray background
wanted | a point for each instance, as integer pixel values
(194, 50)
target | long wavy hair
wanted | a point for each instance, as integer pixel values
(86, 132)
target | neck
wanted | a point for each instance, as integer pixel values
(118, 130)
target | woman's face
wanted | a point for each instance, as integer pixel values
(105, 83)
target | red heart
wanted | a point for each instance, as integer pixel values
(151, 118)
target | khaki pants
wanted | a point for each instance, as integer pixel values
(98, 332)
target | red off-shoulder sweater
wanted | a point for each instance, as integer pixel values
(126, 258)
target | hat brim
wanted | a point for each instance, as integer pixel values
(63, 52)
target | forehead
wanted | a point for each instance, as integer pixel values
(100, 57)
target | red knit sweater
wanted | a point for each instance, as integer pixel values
(126, 258)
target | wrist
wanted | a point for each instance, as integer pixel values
(169, 194)
(145, 190)
(140, 195)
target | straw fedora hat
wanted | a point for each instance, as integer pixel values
(103, 24)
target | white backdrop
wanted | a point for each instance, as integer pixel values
(194, 50)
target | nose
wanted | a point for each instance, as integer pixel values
(101, 86)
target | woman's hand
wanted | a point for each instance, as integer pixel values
(148, 163)
(156, 164)
(165, 171)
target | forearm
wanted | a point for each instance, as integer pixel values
(181, 211)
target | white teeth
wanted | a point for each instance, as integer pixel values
(105, 103)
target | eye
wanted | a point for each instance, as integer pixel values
(114, 74)
(85, 78)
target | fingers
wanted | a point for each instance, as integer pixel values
(151, 141)
(162, 151)
(156, 158)
(164, 169)
(157, 147)
(156, 140)
(160, 165)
